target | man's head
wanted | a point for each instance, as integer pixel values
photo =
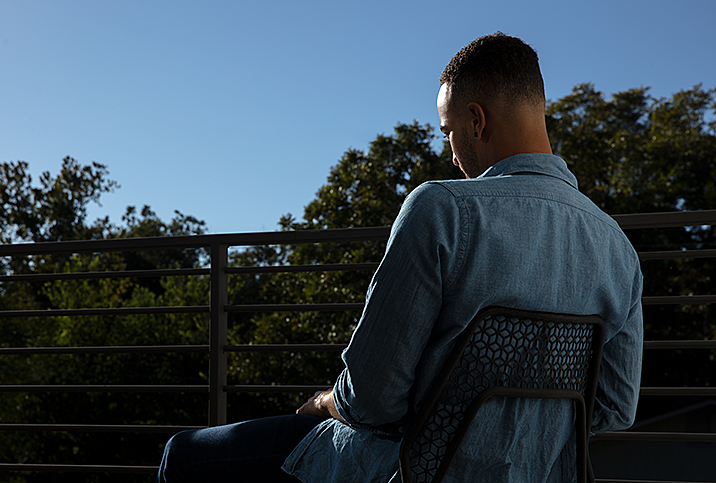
(491, 103)
(496, 70)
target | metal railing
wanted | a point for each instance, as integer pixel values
(218, 309)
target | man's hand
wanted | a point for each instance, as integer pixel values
(322, 405)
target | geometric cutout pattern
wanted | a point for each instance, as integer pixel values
(525, 353)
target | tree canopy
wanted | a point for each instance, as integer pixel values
(637, 154)
(56, 210)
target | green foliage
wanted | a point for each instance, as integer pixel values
(55, 211)
(636, 154)
(367, 189)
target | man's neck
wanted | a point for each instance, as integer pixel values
(519, 138)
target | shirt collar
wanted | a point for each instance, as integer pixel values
(533, 163)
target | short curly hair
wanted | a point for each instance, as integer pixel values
(498, 68)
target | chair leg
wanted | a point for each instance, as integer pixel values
(582, 443)
(590, 470)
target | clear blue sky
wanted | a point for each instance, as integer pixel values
(234, 111)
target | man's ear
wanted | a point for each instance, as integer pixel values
(477, 119)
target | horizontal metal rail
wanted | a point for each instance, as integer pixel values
(680, 344)
(101, 388)
(147, 428)
(174, 272)
(168, 429)
(293, 308)
(677, 254)
(280, 388)
(285, 347)
(626, 221)
(79, 468)
(666, 219)
(177, 272)
(196, 309)
(98, 428)
(263, 308)
(134, 349)
(679, 299)
(154, 469)
(329, 267)
(336, 267)
(678, 391)
(167, 349)
(599, 480)
(273, 388)
(340, 235)
(654, 436)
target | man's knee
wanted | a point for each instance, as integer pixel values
(176, 451)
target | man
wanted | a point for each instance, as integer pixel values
(515, 233)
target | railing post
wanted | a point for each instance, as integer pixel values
(218, 334)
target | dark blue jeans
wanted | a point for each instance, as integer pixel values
(252, 451)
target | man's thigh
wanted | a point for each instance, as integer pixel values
(249, 451)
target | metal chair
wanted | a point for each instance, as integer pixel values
(506, 353)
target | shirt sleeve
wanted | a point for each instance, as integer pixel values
(620, 370)
(403, 302)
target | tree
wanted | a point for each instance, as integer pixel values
(637, 154)
(56, 210)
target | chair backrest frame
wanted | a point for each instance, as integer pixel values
(583, 397)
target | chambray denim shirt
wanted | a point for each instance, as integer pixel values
(521, 235)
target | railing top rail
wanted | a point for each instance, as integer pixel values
(626, 221)
(200, 241)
